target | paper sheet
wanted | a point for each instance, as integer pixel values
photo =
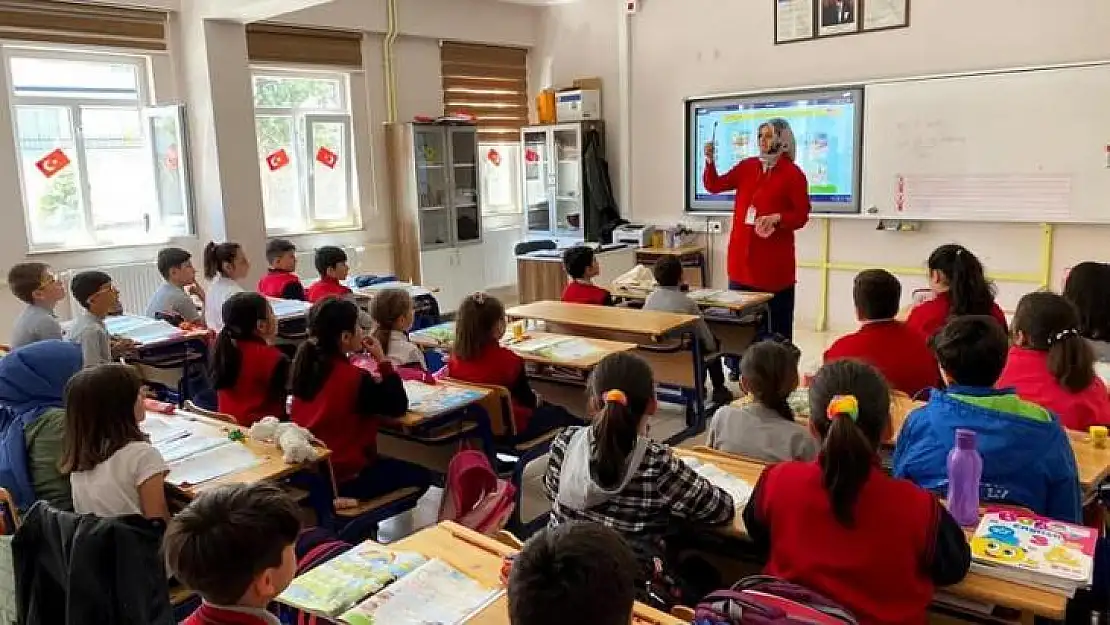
(142, 330)
(181, 448)
(162, 429)
(433, 593)
(285, 309)
(209, 465)
(740, 489)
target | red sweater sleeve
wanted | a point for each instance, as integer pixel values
(716, 183)
(798, 198)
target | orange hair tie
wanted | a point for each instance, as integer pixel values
(616, 396)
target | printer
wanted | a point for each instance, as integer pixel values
(638, 235)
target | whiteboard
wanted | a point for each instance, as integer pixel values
(1025, 146)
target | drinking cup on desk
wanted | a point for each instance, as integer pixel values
(518, 331)
(1098, 436)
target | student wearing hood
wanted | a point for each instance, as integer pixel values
(32, 421)
(772, 201)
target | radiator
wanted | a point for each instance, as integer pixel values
(136, 282)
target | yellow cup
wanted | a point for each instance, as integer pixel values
(518, 331)
(1098, 436)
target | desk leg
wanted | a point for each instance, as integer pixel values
(699, 385)
(485, 432)
(703, 263)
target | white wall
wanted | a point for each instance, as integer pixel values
(699, 47)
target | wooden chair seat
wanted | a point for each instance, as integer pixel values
(507, 538)
(530, 444)
(370, 505)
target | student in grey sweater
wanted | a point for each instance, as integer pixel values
(763, 428)
(35, 285)
(669, 297)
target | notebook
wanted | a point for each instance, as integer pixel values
(738, 488)
(1018, 546)
(338, 584)
(435, 592)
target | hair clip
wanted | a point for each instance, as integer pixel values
(479, 298)
(1061, 335)
(616, 396)
(843, 405)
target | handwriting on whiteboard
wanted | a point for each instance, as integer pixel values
(924, 138)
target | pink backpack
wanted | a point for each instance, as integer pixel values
(474, 496)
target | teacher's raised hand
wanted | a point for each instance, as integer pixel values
(710, 152)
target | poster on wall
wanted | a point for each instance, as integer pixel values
(837, 17)
(883, 14)
(793, 20)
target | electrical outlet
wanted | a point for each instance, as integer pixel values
(714, 226)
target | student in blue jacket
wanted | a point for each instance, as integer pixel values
(1027, 459)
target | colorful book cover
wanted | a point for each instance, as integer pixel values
(340, 583)
(435, 593)
(443, 333)
(439, 399)
(1035, 545)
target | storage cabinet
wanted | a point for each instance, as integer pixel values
(437, 220)
(554, 175)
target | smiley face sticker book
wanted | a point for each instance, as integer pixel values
(1019, 546)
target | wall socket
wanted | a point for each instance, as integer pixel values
(707, 226)
(714, 226)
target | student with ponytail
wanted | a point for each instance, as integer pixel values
(250, 375)
(225, 264)
(341, 403)
(393, 314)
(611, 473)
(960, 287)
(1051, 364)
(840, 525)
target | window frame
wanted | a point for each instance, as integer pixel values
(301, 150)
(144, 108)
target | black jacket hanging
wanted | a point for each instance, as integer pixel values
(600, 206)
(74, 569)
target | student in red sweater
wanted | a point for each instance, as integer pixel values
(235, 546)
(341, 403)
(1052, 365)
(281, 280)
(959, 286)
(841, 525)
(581, 265)
(900, 353)
(250, 375)
(331, 262)
(479, 358)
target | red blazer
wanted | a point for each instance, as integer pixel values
(274, 282)
(765, 264)
(879, 569)
(496, 366)
(578, 293)
(899, 352)
(208, 614)
(928, 317)
(1027, 372)
(252, 397)
(325, 287)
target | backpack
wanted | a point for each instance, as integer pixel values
(474, 496)
(766, 600)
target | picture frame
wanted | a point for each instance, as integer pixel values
(795, 20)
(885, 15)
(838, 17)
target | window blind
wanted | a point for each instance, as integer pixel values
(271, 43)
(488, 82)
(62, 22)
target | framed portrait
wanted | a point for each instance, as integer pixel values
(885, 14)
(838, 17)
(794, 20)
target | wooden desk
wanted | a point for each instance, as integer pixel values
(481, 557)
(272, 467)
(541, 276)
(977, 587)
(607, 322)
(695, 270)
(750, 299)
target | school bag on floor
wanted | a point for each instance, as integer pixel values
(767, 600)
(474, 496)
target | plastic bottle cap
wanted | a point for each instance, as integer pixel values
(965, 439)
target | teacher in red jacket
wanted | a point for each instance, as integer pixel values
(772, 201)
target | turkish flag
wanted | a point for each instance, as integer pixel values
(277, 160)
(494, 157)
(52, 163)
(327, 158)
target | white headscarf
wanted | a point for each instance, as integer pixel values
(783, 143)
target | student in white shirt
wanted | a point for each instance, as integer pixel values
(224, 265)
(114, 470)
(392, 311)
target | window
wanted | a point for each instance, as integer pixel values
(303, 122)
(98, 166)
